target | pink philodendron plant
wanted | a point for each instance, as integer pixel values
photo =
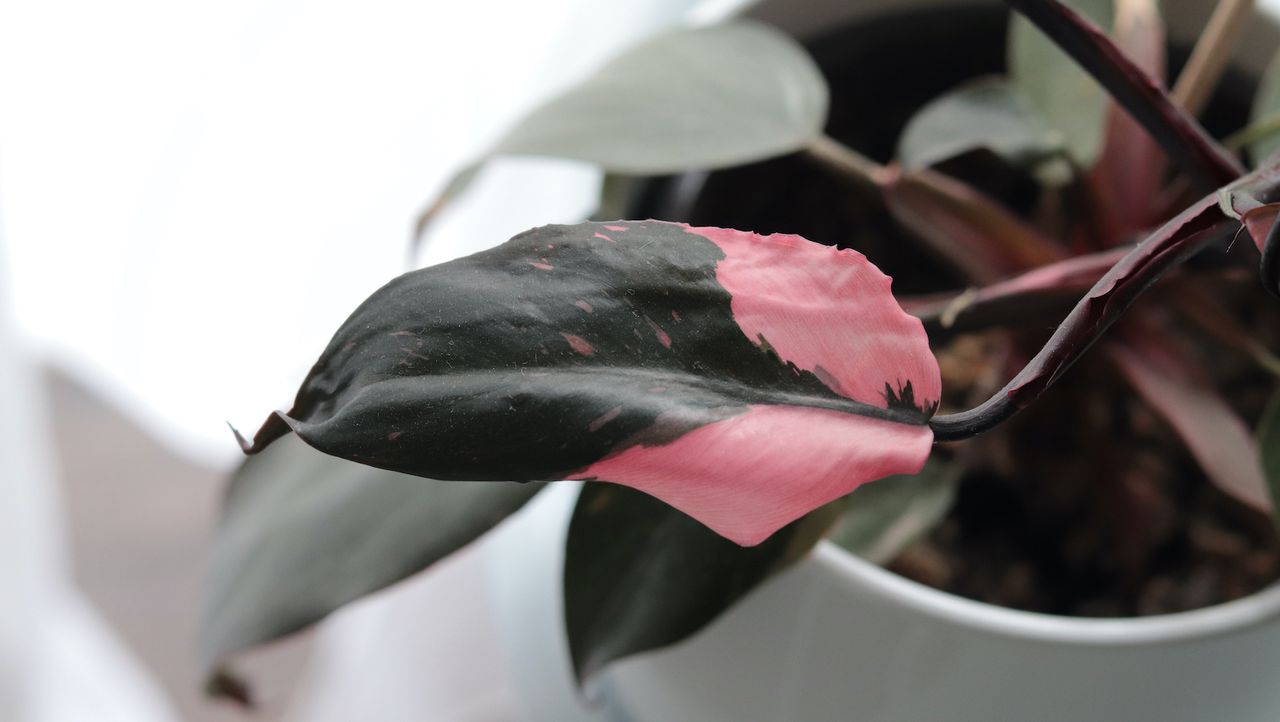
(721, 392)
(743, 379)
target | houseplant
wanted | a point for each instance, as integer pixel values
(742, 569)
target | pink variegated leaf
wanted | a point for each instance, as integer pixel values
(1218, 439)
(743, 379)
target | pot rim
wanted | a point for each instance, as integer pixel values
(860, 575)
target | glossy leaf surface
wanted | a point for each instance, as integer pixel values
(743, 379)
(640, 575)
(303, 533)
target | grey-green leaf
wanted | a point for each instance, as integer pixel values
(1264, 119)
(457, 184)
(886, 516)
(640, 575)
(303, 533)
(1269, 448)
(1070, 100)
(989, 113)
(693, 98)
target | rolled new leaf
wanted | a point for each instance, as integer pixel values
(742, 379)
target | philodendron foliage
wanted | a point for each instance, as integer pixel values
(721, 393)
(744, 380)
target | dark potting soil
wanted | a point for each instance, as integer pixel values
(1087, 504)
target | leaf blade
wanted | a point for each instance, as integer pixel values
(303, 534)
(989, 113)
(691, 363)
(1212, 431)
(640, 576)
(694, 98)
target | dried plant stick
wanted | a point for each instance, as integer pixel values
(1209, 59)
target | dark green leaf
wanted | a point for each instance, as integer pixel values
(884, 517)
(303, 533)
(640, 575)
(699, 364)
(988, 113)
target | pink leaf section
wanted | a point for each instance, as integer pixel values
(823, 310)
(1218, 439)
(750, 475)
(827, 311)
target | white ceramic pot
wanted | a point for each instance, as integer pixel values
(835, 638)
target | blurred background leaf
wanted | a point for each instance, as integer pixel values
(989, 113)
(303, 533)
(640, 575)
(1061, 90)
(884, 517)
(694, 98)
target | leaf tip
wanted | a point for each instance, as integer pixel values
(277, 425)
(245, 445)
(224, 684)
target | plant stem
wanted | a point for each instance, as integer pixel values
(847, 162)
(958, 222)
(1017, 299)
(1209, 59)
(1178, 133)
(1196, 228)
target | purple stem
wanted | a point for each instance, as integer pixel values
(1191, 231)
(1173, 128)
